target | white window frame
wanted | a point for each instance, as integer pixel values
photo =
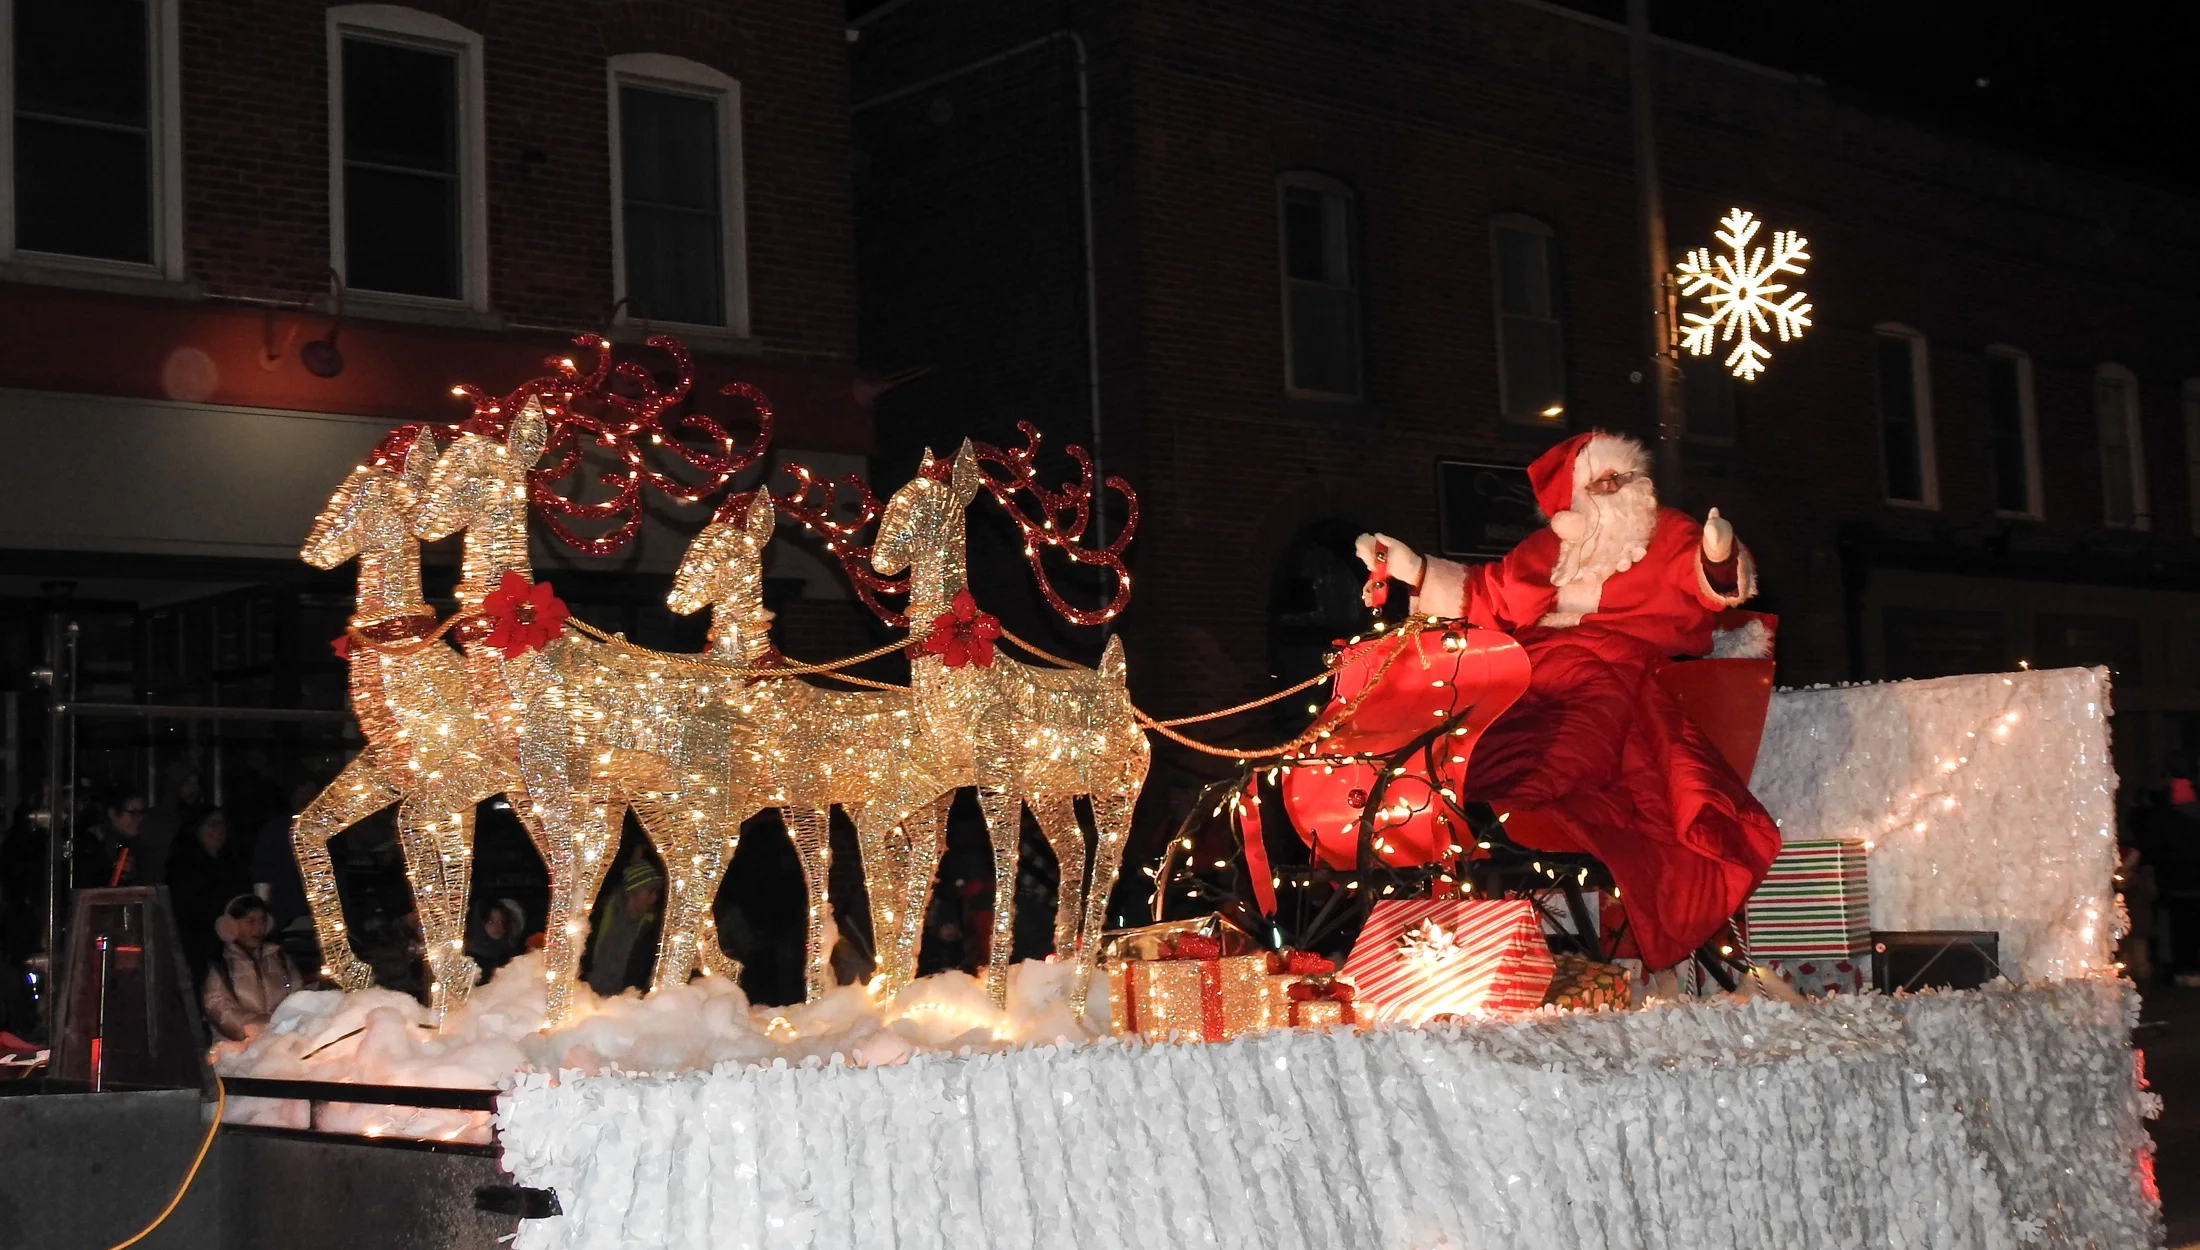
(2142, 517)
(164, 121)
(2028, 422)
(661, 72)
(1921, 400)
(392, 23)
(2192, 450)
(1322, 184)
(1522, 223)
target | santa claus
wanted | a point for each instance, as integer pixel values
(1597, 756)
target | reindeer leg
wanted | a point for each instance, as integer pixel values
(455, 847)
(811, 832)
(1112, 814)
(1057, 815)
(354, 795)
(1004, 825)
(678, 844)
(711, 956)
(421, 841)
(581, 837)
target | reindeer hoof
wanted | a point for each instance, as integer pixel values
(350, 974)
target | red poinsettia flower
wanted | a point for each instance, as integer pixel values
(341, 645)
(963, 635)
(522, 618)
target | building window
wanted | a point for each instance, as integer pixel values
(1712, 402)
(2192, 451)
(2012, 432)
(90, 144)
(1906, 416)
(406, 206)
(1531, 366)
(2123, 452)
(1321, 280)
(676, 192)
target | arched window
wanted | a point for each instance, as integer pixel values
(408, 205)
(1904, 381)
(1319, 228)
(2012, 432)
(1531, 360)
(2123, 451)
(679, 255)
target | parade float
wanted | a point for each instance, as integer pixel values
(1404, 986)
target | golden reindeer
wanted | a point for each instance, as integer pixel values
(593, 727)
(1020, 734)
(425, 751)
(804, 749)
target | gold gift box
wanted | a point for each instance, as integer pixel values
(1157, 998)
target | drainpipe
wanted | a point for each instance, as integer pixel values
(1084, 176)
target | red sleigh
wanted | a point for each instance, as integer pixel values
(1386, 794)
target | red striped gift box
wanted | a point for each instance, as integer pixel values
(1420, 958)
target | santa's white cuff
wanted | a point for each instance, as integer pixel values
(1745, 581)
(1443, 589)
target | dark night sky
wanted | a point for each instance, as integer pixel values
(2106, 84)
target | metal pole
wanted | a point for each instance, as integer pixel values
(1665, 374)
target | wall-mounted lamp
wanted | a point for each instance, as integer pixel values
(320, 356)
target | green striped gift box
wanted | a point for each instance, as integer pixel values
(1815, 900)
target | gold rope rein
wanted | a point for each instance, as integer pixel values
(831, 669)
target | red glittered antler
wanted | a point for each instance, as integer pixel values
(584, 408)
(1059, 519)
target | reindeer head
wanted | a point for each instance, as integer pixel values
(928, 512)
(723, 570)
(372, 510)
(482, 476)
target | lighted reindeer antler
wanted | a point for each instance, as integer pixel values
(811, 503)
(583, 407)
(1061, 518)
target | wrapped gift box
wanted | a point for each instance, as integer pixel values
(1816, 975)
(1814, 901)
(1304, 992)
(1189, 980)
(1420, 958)
(1581, 984)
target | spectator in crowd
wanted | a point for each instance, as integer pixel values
(112, 852)
(623, 947)
(251, 975)
(168, 822)
(203, 875)
(498, 933)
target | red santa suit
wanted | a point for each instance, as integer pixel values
(1597, 756)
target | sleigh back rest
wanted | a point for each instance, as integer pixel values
(1728, 697)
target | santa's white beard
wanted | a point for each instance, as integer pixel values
(1620, 526)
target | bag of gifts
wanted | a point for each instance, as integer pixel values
(1304, 991)
(1583, 984)
(1192, 980)
(1416, 959)
(1815, 901)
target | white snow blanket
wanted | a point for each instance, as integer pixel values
(1988, 802)
(1990, 1118)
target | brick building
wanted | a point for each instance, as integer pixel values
(196, 201)
(1350, 266)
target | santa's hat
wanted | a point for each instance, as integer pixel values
(1558, 473)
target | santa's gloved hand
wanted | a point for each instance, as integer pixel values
(1718, 538)
(1403, 565)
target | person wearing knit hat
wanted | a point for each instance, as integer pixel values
(1597, 755)
(624, 945)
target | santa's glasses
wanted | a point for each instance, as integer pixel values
(1612, 481)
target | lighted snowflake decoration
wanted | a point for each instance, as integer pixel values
(1741, 290)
